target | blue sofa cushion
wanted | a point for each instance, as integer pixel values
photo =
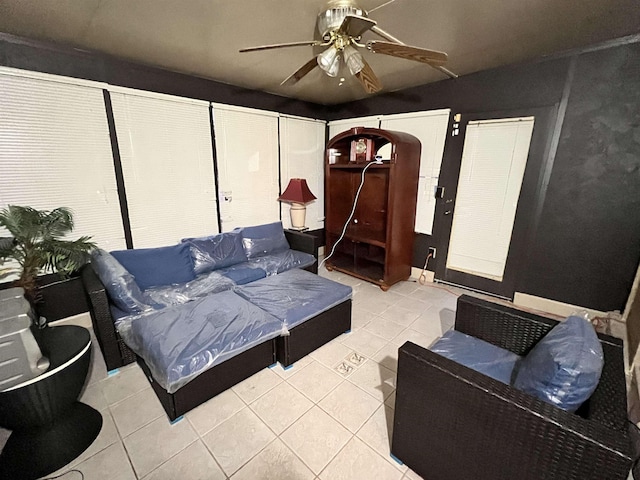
(565, 366)
(152, 267)
(216, 251)
(481, 356)
(263, 239)
(182, 341)
(121, 286)
(242, 274)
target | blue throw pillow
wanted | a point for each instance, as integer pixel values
(158, 266)
(565, 366)
(216, 251)
(264, 239)
(123, 291)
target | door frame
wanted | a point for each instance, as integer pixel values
(529, 200)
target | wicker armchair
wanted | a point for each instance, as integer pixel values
(453, 423)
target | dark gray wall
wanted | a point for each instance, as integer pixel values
(585, 245)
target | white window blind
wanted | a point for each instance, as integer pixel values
(431, 129)
(339, 126)
(55, 151)
(302, 156)
(493, 164)
(167, 164)
(247, 154)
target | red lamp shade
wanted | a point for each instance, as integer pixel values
(297, 192)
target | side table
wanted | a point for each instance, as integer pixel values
(305, 241)
(49, 426)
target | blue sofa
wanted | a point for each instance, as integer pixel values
(203, 315)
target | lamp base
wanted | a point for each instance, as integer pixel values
(299, 229)
(298, 212)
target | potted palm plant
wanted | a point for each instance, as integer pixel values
(39, 246)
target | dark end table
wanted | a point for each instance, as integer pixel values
(49, 426)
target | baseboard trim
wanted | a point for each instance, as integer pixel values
(416, 272)
(551, 306)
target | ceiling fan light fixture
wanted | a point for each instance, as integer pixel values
(353, 59)
(329, 61)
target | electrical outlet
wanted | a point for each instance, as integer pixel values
(432, 251)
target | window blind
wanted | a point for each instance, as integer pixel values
(431, 129)
(339, 126)
(302, 156)
(55, 151)
(247, 154)
(493, 164)
(167, 164)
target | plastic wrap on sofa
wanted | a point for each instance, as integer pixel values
(263, 239)
(216, 251)
(295, 295)
(180, 342)
(280, 262)
(121, 285)
(212, 282)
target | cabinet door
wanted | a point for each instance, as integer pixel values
(340, 200)
(370, 219)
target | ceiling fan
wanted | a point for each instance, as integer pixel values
(341, 26)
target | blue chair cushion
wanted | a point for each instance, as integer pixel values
(216, 251)
(263, 239)
(153, 267)
(564, 367)
(481, 356)
(242, 275)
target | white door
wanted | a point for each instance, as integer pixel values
(247, 154)
(302, 156)
(493, 164)
(431, 129)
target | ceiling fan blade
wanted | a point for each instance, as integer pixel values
(355, 26)
(368, 79)
(430, 57)
(281, 45)
(301, 72)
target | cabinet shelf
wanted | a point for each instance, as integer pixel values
(359, 166)
(377, 240)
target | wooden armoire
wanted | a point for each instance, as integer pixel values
(378, 240)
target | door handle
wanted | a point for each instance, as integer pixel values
(448, 212)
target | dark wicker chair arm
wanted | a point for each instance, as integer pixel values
(475, 427)
(115, 352)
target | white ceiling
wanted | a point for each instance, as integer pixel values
(202, 37)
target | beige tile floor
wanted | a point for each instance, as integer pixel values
(328, 417)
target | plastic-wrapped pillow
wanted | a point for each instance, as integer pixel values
(564, 367)
(123, 291)
(154, 267)
(216, 251)
(263, 239)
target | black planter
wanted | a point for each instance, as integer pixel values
(50, 427)
(60, 297)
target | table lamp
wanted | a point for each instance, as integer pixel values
(298, 195)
